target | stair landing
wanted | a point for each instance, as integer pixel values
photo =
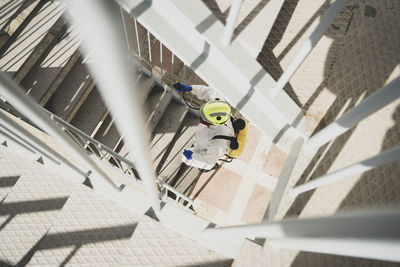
(239, 192)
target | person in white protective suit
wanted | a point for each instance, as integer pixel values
(215, 121)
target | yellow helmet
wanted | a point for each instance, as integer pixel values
(215, 112)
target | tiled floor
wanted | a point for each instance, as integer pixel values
(239, 192)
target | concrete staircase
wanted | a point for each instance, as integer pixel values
(55, 74)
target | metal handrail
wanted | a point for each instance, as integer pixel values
(68, 127)
(114, 154)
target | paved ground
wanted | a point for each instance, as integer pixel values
(239, 192)
(358, 55)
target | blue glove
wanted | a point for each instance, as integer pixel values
(181, 87)
(188, 154)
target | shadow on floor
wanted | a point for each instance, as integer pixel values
(77, 239)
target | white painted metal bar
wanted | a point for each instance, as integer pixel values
(137, 37)
(125, 31)
(373, 234)
(37, 115)
(360, 167)
(161, 58)
(308, 46)
(240, 80)
(172, 69)
(104, 41)
(370, 105)
(149, 44)
(283, 180)
(231, 21)
(40, 147)
(176, 193)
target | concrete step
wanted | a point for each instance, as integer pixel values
(25, 11)
(61, 74)
(108, 133)
(163, 150)
(91, 114)
(74, 88)
(20, 48)
(47, 74)
(170, 166)
(144, 85)
(8, 11)
(42, 49)
(157, 102)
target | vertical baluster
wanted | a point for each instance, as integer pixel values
(172, 69)
(137, 38)
(161, 57)
(231, 21)
(149, 47)
(183, 74)
(126, 32)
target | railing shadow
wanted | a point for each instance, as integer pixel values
(8, 181)
(77, 239)
(377, 188)
(14, 208)
(348, 85)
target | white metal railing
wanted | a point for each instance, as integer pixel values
(360, 167)
(307, 234)
(21, 137)
(162, 75)
(373, 234)
(308, 45)
(125, 165)
(25, 105)
(370, 105)
(178, 196)
(330, 234)
(104, 41)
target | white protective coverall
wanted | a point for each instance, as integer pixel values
(206, 151)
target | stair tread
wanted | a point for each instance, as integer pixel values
(19, 16)
(108, 133)
(164, 133)
(157, 102)
(170, 167)
(34, 32)
(41, 50)
(144, 85)
(9, 11)
(43, 78)
(91, 113)
(61, 74)
(70, 91)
